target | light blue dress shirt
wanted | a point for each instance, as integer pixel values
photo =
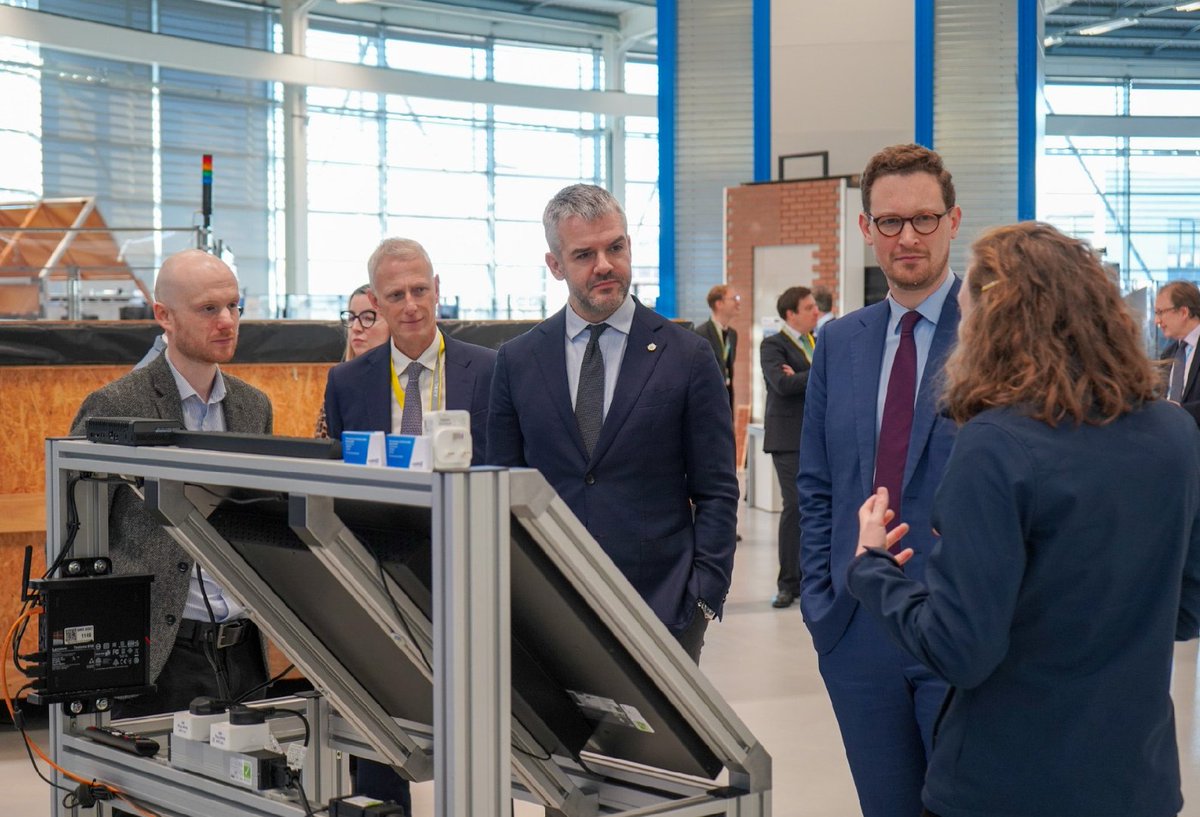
(931, 311)
(201, 415)
(612, 347)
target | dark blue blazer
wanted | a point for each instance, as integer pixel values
(358, 393)
(1070, 563)
(837, 458)
(666, 444)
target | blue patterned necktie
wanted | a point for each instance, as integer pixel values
(589, 398)
(410, 418)
(1178, 373)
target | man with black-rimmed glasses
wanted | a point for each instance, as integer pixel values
(871, 420)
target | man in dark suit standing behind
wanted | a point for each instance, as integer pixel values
(201, 643)
(786, 357)
(624, 413)
(871, 418)
(421, 369)
(724, 303)
(1177, 314)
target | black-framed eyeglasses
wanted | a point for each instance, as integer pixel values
(1158, 313)
(923, 223)
(366, 319)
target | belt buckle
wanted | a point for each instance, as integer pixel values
(229, 634)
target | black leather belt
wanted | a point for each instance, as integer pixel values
(223, 635)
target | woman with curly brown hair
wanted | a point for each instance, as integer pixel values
(1070, 553)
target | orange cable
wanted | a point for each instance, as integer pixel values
(8, 701)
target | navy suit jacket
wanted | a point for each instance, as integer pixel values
(358, 393)
(784, 415)
(666, 445)
(1190, 399)
(837, 458)
(1071, 563)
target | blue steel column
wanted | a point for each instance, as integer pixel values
(1029, 94)
(762, 89)
(667, 56)
(923, 73)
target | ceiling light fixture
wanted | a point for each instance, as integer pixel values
(1056, 39)
(1107, 26)
(1188, 7)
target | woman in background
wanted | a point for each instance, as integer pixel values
(364, 331)
(1070, 552)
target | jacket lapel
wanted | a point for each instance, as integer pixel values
(167, 401)
(931, 380)
(866, 355)
(1189, 386)
(636, 366)
(460, 380)
(378, 397)
(550, 352)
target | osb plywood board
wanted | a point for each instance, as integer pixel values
(41, 401)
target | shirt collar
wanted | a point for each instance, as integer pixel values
(428, 358)
(1193, 337)
(931, 307)
(216, 395)
(791, 333)
(621, 320)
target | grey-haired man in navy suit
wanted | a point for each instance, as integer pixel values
(626, 415)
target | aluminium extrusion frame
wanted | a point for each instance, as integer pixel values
(475, 770)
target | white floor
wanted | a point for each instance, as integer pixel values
(762, 661)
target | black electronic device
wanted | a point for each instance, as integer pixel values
(272, 445)
(93, 640)
(132, 430)
(125, 741)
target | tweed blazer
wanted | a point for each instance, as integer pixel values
(137, 542)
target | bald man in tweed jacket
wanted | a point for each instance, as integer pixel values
(199, 335)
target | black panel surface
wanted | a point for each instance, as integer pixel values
(575, 686)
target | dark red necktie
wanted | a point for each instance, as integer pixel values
(896, 427)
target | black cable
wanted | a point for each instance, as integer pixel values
(547, 756)
(404, 622)
(295, 784)
(265, 684)
(272, 712)
(19, 725)
(209, 648)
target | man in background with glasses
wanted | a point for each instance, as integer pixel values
(1177, 314)
(390, 387)
(201, 642)
(871, 419)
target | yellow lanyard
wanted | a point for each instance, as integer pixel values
(437, 384)
(807, 350)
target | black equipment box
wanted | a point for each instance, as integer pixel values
(132, 430)
(94, 637)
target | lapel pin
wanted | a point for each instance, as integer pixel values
(651, 347)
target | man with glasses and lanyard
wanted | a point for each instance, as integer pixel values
(1177, 314)
(871, 419)
(391, 386)
(201, 643)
